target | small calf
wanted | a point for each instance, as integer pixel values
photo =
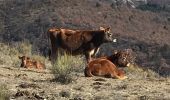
(26, 62)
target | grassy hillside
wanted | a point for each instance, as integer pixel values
(23, 26)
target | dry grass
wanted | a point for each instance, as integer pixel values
(64, 66)
(4, 95)
(9, 54)
(24, 48)
(137, 72)
(141, 84)
(38, 58)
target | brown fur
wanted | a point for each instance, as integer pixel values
(77, 41)
(26, 62)
(103, 67)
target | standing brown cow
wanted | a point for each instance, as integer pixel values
(85, 42)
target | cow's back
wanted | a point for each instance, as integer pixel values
(71, 41)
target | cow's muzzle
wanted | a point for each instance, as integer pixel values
(114, 40)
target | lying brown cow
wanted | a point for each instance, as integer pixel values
(103, 67)
(26, 62)
(78, 41)
(106, 66)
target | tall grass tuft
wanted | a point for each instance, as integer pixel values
(4, 93)
(24, 48)
(63, 67)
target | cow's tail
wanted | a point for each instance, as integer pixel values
(87, 72)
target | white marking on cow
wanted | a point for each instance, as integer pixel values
(125, 77)
(97, 51)
(92, 52)
(114, 40)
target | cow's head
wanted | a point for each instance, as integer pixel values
(123, 58)
(24, 60)
(107, 34)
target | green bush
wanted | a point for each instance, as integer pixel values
(63, 67)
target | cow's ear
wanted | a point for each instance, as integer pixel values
(19, 57)
(102, 28)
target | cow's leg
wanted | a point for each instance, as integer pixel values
(54, 53)
(95, 52)
(88, 57)
(49, 54)
(89, 54)
(87, 72)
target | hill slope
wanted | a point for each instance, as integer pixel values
(146, 32)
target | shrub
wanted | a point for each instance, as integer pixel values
(38, 58)
(8, 55)
(24, 48)
(63, 67)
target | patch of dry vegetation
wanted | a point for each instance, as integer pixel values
(4, 95)
(64, 66)
(137, 72)
(9, 54)
(28, 21)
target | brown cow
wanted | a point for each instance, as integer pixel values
(78, 41)
(107, 65)
(26, 62)
(103, 67)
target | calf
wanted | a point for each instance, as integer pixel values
(85, 42)
(26, 62)
(103, 67)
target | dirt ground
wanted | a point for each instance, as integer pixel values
(32, 84)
